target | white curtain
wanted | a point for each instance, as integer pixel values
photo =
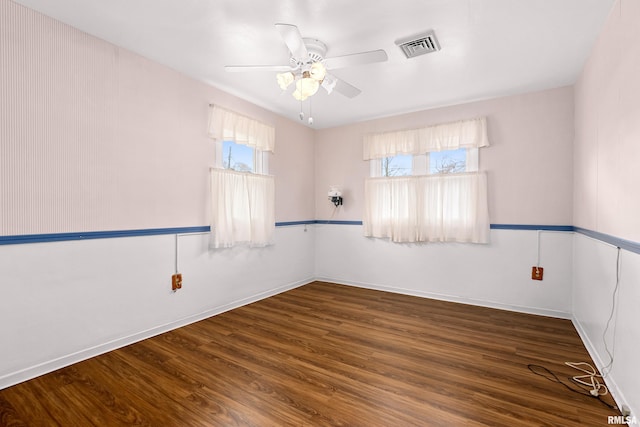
(429, 208)
(242, 209)
(447, 136)
(226, 125)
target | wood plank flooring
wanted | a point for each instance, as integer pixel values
(326, 355)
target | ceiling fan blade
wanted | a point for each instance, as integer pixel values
(243, 68)
(356, 59)
(346, 89)
(293, 39)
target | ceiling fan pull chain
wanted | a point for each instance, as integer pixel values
(301, 115)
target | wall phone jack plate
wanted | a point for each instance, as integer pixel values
(536, 273)
(176, 282)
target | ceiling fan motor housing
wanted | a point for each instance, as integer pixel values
(316, 51)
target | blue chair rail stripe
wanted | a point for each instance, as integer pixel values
(531, 227)
(61, 237)
(612, 240)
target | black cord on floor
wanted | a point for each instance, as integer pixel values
(548, 374)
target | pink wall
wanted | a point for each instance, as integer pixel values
(607, 144)
(606, 190)
(529, 162)
(293, 167)
(94, 137)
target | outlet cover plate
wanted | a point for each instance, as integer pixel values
(176, 282)
(536, 273)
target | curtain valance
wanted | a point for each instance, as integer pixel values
(227, 125)
(447, 136)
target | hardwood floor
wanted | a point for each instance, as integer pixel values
(325, 354)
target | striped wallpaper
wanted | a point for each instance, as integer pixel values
(92, 136)
(56, 97)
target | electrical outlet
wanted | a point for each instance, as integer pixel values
(176, 282)
(536, 273)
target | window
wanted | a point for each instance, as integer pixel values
(242, 194)
(425, 185)
(241, 158)
(447, 161)
(237, 157)
(400, 165)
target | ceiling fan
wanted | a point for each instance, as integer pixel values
(308, 66)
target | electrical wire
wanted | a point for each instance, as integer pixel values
(538, 247)
(537, 267)
(175, 250)
(614, 299)
(590, 377)
(175, 246)
(551, 376)
(328, 221)
(597, 388)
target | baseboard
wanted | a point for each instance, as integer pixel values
(452, 298)
(69, 359)
(609, 381)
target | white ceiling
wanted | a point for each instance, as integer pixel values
(490, 48)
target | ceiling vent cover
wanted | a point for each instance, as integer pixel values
(419, 45)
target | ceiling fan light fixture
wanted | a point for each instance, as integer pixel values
(306, 87)
(318, 71)
(298, 96)
(285, 79)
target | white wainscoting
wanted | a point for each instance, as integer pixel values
(495, 275)
(67, 301)
(595, 300)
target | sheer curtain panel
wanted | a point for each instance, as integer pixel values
(428, 208)
(242, 209)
